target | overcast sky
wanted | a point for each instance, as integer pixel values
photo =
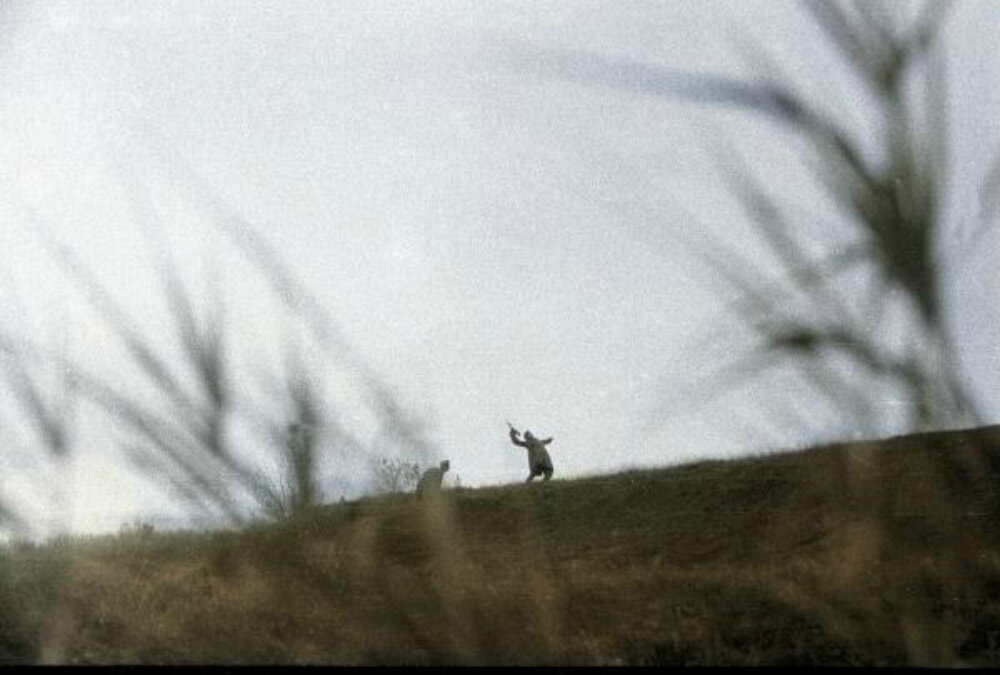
(489, 239)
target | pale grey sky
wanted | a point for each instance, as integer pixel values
(488, 239)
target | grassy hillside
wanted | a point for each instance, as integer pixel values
(876, 553)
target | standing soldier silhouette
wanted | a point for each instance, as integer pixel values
(539, 462)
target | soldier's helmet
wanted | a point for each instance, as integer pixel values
(528, 435)
(445, 465)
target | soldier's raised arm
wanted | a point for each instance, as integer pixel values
(514, 438)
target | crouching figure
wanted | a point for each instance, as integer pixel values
(539, 462)
(430, 482)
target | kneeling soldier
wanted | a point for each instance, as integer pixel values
(431, 480)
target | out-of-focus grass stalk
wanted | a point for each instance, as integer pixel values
(180, 434)
(892, 186)
(52, 416)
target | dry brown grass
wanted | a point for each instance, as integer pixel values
(880, 554)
